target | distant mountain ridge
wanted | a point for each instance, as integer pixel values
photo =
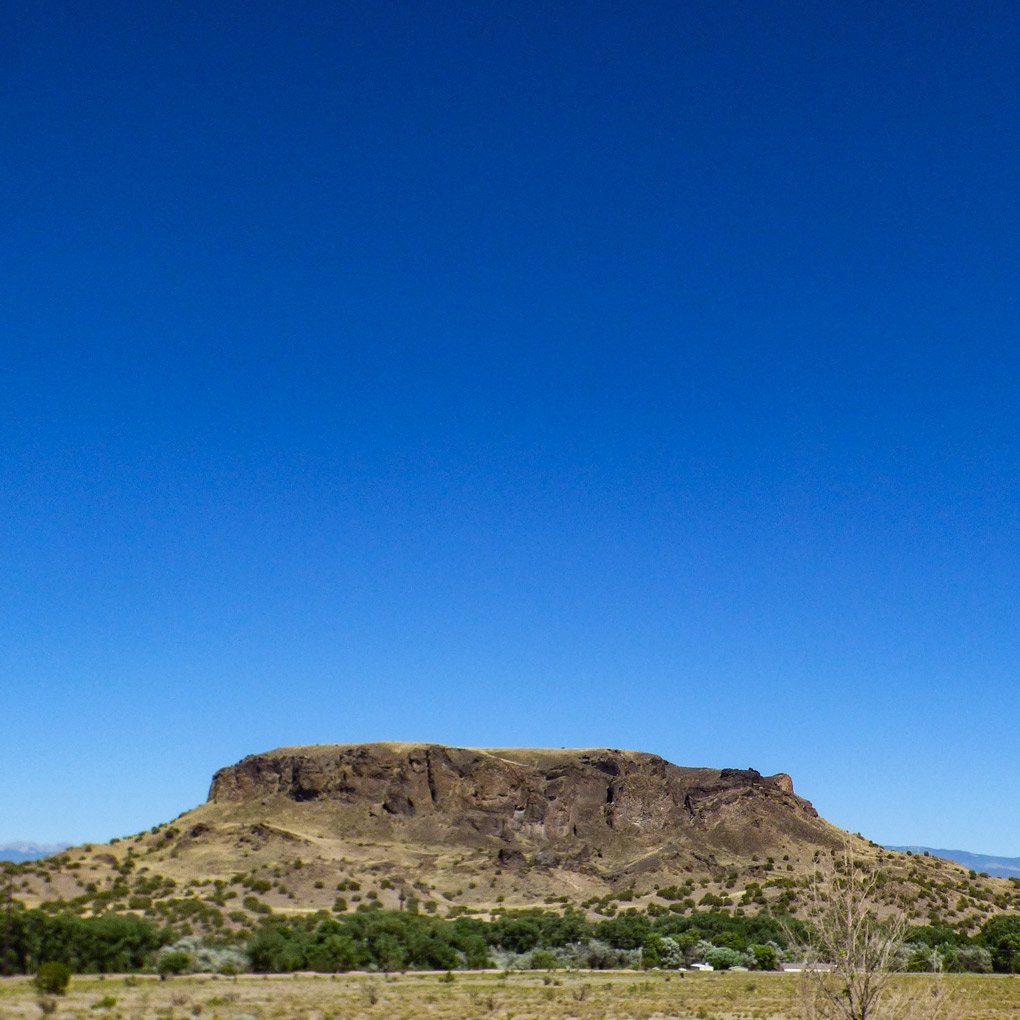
(1000, 867)
(23, 851)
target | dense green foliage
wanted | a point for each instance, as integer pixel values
(1001, 937)
(538, 938)
(384, 940)
(107, 944)
(52, 978)
(176, 962)
(388, 940)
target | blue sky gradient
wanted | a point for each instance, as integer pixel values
(495, 374)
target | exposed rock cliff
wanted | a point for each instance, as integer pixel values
(565, 805)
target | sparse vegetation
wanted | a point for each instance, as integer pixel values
(583, 996)
(52, 978)
(265, 886)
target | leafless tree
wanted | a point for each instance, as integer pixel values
(852, 959)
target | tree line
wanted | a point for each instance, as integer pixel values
(539, 938)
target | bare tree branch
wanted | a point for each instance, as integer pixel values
(853, 954)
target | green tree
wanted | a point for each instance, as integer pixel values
(276, 949)
(476, 952)
(971, 959)
(1001, 936)
(627, 931)
(517, 933)
(543, 959)
(671, 953)
(722, 958)
(177, 961)
(336, 952)
(52, 978)
(651, 952)
(765, 956)
(389, 953)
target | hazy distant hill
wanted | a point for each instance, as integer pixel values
(1002, 867)
(29, 851)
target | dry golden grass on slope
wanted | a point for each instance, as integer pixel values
(470, 996)
(148, 875)
(454, 830)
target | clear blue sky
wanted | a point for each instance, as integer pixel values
(511, 374)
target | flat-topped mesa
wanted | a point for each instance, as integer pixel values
(533, 794)
(456, 828)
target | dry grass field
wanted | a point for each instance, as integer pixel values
(485, 996)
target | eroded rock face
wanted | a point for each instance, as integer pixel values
(535, 797)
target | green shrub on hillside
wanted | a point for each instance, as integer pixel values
(176, 961)
(52, 978)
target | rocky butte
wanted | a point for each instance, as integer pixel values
(597, 817)
(449, 829)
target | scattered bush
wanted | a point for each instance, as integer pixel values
(52, 978)
(173, 961)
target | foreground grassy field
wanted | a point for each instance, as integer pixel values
(525, 996)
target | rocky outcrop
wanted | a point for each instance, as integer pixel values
(561, 804)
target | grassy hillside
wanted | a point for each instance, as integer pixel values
(451, 831)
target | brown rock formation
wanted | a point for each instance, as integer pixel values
(450, 829)
(551, 807)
